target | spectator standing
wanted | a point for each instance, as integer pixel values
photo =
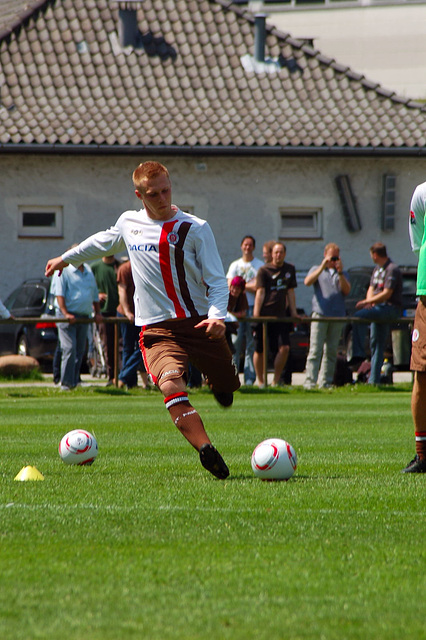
(275, 296)
(246, 267)
(174, 262)
(267, 251)
(418, 352)
(382, 302)
(105, 272)
(76, 296)
(131, 355)
(331, 285)
(237, 308)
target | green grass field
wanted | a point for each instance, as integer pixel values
(146, 544)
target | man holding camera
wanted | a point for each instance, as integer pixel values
(331, 285)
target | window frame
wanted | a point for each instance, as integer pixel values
(302, 233)
(40, 231)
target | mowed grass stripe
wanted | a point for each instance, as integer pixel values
(146, 544)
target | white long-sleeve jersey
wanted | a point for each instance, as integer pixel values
(416, 227)
(176, 266)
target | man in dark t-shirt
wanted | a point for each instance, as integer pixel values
(382, 302)
(275, 297)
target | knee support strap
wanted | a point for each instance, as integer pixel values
(175, 398)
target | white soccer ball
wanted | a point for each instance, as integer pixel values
(274, 459)
(78, 447)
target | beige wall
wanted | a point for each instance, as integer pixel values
(385, 43)
(236, 195)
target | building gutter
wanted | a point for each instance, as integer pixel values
(169, 150)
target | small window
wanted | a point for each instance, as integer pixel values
(40, 222)
(301, 223)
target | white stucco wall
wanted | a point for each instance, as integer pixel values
(236, 195)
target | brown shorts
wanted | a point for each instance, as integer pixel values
(418, 340)
(168, 347)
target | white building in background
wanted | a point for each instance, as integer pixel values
(384, 40)
(262, 133)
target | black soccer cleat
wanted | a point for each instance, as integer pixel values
(224, 398)
(211, 460)
(417, 465)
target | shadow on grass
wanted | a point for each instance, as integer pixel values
(348, 388)
(110, 391)
(298, 477)
(18, 394)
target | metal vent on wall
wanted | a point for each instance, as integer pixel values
(348, 202)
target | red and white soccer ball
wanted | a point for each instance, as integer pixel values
(274, 459)
(78, 447)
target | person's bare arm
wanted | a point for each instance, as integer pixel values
(311, 278)
(55, 264)
(63, 307)
(258, 301)
(371, 300)
(124, 302)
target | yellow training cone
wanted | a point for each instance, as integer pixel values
(29, 473)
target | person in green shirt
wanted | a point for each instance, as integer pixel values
(105, 272)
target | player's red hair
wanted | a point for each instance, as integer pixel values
(149, 169)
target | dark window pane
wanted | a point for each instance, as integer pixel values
(32, 219)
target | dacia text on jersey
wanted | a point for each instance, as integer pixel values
(142, 247)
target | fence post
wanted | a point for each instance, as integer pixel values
(265, 351)
(116, 354)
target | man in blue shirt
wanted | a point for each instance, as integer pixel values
(76, 297)
(331, 285)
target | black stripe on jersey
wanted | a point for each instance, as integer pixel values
(180, 268)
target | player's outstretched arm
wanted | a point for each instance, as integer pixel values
(55, 264)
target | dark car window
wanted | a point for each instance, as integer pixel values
(409, 285)
(37, 297)
(28, 296)
(19, 299)
(359, 285)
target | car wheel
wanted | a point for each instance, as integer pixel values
(22, 349)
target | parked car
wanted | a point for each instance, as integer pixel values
(32, 299)
(398, 347)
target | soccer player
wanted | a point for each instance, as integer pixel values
(418, 352)
(181, 300)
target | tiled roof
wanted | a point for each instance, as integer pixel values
(189, 82)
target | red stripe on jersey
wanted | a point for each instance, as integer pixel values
(180, 269)
(166, 269)
(143, 351)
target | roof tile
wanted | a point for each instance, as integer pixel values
(185, 86)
